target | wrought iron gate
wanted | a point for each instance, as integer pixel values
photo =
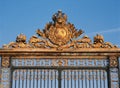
(61, 73)
(46, 78)
(60, 58)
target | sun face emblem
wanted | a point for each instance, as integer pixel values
(60, 33)
(59, 36)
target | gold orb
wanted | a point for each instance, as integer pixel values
(60, 33)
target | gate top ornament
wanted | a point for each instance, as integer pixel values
(59, 34)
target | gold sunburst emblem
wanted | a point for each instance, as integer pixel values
(59, 35)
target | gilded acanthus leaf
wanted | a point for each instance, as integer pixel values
(78, 33)
(40, 33)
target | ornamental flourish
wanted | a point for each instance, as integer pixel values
(59, 34)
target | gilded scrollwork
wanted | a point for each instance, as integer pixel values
(113, 61)
(59, 34)
(60, 62)
(5, 78)
(36, 42)
(99, 42)
(84, 42)
(20, 42)
(5, 61)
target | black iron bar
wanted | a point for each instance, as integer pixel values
(22, 78)
(30, 80)
(48, 79)
(75, 78)
(15, 78)
(19, 79)
(78, 79)
(82, 78)
(59, 78)
(85, 79)
(109, 77)
(100, 78)
(64, 78)
(33, 77)
(71, 79)
(40, 78)
(104, 78)
(93, 78)
(26, 77)
(68, 79)
(55, 78)
(36, 78)
(96, 79)
(89, 78)
(44, 77)
(51, 79)
(11, 78)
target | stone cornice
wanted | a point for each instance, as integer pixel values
(37, 51)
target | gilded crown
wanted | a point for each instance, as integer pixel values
(59, 17)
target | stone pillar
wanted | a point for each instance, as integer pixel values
(5, 70)
(113, 72)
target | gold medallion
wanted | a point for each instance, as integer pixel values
(59, 36)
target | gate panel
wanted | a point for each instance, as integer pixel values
(59, 73)
(84, 79)
(35, 78)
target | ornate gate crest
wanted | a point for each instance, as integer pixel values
(59, 34)
(59, 58)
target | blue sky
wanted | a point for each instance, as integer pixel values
(26, 16)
